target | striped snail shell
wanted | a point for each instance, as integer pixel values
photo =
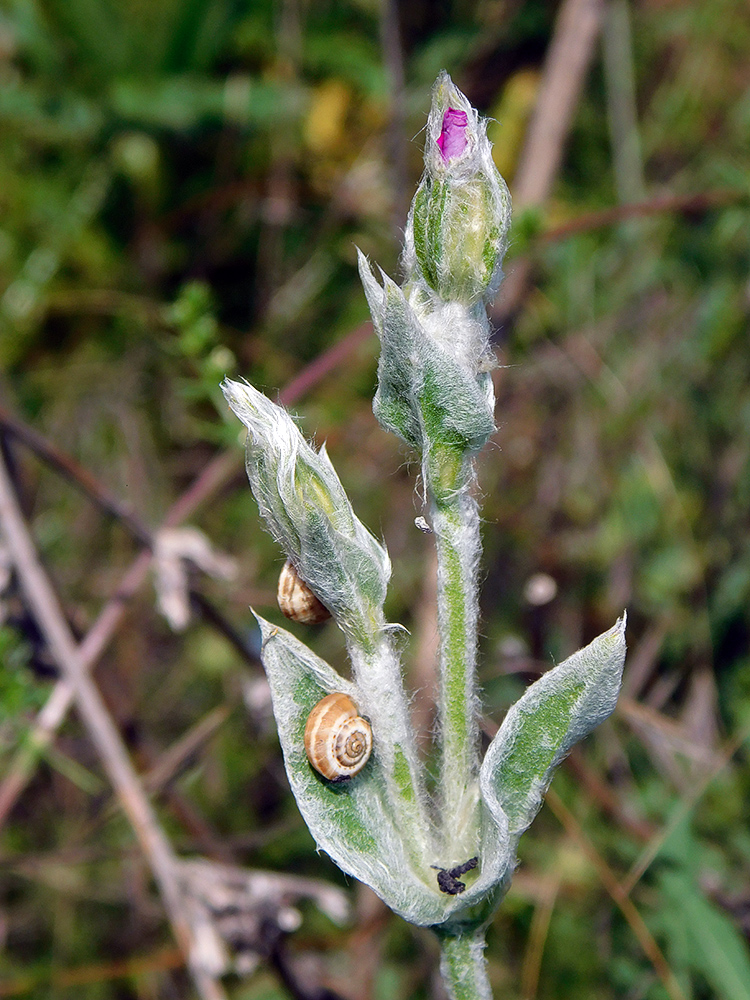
(338, 741)
(296, 599)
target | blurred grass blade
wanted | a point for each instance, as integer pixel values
(715, 948)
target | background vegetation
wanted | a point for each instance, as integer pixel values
(182, 186)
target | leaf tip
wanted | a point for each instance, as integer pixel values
(268, 630)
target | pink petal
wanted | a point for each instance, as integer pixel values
(452, 141)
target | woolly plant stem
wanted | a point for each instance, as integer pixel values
(463, 967)
(455, 522)
(379, 678)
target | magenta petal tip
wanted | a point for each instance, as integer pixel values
(452, 140)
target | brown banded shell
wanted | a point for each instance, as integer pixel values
(338, 741)
(297, 601)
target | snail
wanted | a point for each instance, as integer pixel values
(338, 741)
(296, 600)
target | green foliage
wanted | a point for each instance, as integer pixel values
(20, 692)
(560, 709)
(357, 823)
(703, 939)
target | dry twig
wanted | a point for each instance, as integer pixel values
(568, 58)
(43, 603)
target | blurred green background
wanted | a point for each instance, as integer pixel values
(182, 186)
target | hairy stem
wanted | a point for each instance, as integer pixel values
(455, 521)
(463, 967)
(378, 675)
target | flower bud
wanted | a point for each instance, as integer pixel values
(457, 229)
(428, 393)
(306, 509)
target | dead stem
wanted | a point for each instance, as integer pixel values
(565, 68)
(43, 604)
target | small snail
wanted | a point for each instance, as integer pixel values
(338, 741)
(296, 600)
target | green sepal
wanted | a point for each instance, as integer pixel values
(393, 404)
(424, 395)
(457, 231)
(557, 711)
(460, 234)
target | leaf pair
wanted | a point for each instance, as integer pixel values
(359, 824)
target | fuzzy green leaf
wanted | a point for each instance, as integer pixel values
(557, 711)
(353, 821)
(307, 510)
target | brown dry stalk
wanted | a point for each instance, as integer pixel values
(565, 68)
(532, 959)
(102, 731)
(159, 961)
(619, 896)
(566, 65)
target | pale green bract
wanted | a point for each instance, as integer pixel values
(434, 391)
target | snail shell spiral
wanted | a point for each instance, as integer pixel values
(297, 601)
(338, 741)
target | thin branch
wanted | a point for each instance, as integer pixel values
(606, 799)
(43, 603)
(540, 922)
(91, 487)
(167, 766)
(325, 363)
(160, 771)
(185, 749)
(651, 852)
(158, 961)
(76, 474)
(687, 204)
(648, 722)
(568, 58)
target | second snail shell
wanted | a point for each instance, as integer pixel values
(338, 741)
(296, 600)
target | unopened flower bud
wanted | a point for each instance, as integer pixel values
(457, 230)
(306, 509)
